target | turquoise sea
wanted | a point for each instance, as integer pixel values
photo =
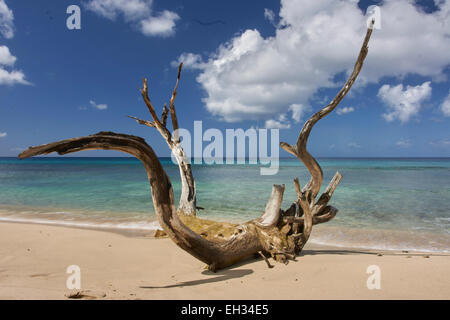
(401, 204)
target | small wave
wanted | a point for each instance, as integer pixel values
(417, 240)
(138, 225)
(381, 239)
(385, 247)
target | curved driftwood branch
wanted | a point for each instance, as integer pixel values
(316, 212)
(299, 150)
(216, 255)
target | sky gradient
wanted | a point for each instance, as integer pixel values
(261, 64)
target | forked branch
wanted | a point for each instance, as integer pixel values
(188, 197)
(299, 150)
(316, 212)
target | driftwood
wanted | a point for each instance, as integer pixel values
(280, 234)
(188, 198)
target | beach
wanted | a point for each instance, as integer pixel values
(34, 259)
(146, 146)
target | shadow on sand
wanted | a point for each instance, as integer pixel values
(232, 273)
(222, 275)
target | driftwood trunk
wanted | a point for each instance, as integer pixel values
(188, 199)
(280, 234)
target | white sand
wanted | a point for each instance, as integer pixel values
(34, 259)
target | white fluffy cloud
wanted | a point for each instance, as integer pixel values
(6, 21)
(138, 12)
(281, 123)
(252, 77)
(8, 76)
(98, 106)
(6, 58)
(445, 106)
(344, 110)
(130, 9)
(12, 77)
(402, 103)
(3, 134)
(162, 25)
(190, 61)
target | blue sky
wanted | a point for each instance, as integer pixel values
(248, 64)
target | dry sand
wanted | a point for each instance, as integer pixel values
(34, 259)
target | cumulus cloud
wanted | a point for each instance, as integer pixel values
(445, 106)
(6, 21)
(98, 106)
(256, 77)
(130, 9)
(190, 61)
(344, 110)
(6, 58)
(401, 103)
(162, 25)
(3, 134)
(137, 12)
(281, 123)
(10, 76)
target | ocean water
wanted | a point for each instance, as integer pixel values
(398, 204)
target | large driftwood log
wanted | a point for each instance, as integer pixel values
(278, 233)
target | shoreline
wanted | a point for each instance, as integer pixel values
(336, 236)
(131, 233)
(150, 234)
(34, 259)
